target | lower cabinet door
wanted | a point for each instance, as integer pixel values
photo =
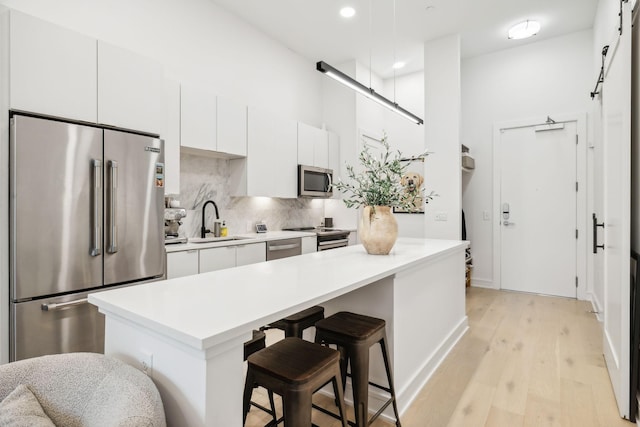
(184, 263)
(309, 244)
(251, 253)
(217, 258)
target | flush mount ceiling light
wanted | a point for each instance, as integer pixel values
(524, 29)
(368, 92)
(399, 65)
(347, 12)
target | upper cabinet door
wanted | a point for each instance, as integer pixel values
(312, 146)
(198, 111)
(52, 69)
(130, 90)
(271, 155)
(305, 144)
(232, 127)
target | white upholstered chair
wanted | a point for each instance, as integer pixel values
(82, 390)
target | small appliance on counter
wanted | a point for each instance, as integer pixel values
(172, 217)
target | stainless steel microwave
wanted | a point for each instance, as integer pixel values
(314, 181)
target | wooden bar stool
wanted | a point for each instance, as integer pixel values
(295, 369)
(255, 344)
(354, 334)
(296, 323)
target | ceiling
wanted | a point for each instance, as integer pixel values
(315, 29)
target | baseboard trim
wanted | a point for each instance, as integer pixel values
(409, 393)
(597, 307)
(482, 283)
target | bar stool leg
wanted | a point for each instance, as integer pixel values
(387, 367)
(360, 382)
(297, 408)
(246, 398)
(339, 395)
(273, 408)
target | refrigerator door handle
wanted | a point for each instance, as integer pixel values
(97, 230)
(113, 208)
(61, 305)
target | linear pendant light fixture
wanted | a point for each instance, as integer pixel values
(339, 76)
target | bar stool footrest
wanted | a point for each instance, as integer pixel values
(331, 414)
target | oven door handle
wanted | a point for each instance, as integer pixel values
(331, 244)
(283, 247)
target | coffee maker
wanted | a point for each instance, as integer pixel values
(172, 216)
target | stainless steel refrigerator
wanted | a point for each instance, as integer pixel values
(86, 207)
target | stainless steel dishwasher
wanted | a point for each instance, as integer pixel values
(277, 249)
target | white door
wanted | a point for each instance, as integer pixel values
(616, 122)
(538, 209)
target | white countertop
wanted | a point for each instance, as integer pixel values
(207, 309)
(244, 239)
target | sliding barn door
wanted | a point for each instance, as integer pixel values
(616, 112)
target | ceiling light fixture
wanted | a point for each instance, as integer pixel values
(398, 65)
(347, 12)
(339, 76)
(524, 30)
(368, 92)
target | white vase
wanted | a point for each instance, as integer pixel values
(378, 229)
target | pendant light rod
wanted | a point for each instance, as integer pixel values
(339, 76)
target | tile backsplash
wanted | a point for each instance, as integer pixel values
(206, 178)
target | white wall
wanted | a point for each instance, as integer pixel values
(442, 136)
(406, 136)
(550, 77)
(200, 43)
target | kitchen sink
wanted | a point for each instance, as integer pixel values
(214, 239)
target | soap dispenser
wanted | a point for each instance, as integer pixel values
(223, 229)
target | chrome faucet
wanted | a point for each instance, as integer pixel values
(203, 229)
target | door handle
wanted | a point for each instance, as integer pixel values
(283, 247)
(596, 246)
(113, 208)
(507, 223)
(61, 305)
(97, 229)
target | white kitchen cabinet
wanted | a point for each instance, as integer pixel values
(231, 119)
(251, 253)
(334, 159)
(52, 69)
(309, 244)
(171, 136)
(198, 110)
(312, 146)
(184, 263)
(217, 258)
(211, 123)
(130, 90)
(270, 168)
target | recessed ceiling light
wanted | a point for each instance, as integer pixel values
(398, 65)
(347, 12)
(524, 29)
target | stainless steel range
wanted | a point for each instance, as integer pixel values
(327, 238)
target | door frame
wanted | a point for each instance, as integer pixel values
(582, 215)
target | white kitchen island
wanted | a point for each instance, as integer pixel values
(191, 330)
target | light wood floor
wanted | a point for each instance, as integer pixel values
(526, 360)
